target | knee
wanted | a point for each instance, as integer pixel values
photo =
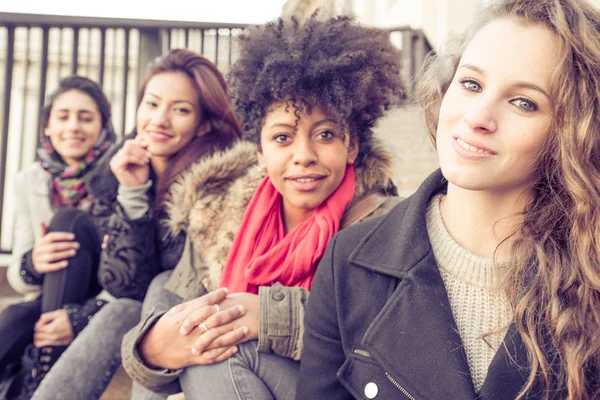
(74, 221)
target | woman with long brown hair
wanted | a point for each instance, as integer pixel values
(486, 282)
(184, 117)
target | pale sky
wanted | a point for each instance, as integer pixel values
(234, 11)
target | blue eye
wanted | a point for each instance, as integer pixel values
(471, 85)
(525, 105)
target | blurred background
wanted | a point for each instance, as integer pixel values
(111, 41)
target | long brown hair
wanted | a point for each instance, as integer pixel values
(553, 281)
(215, 108)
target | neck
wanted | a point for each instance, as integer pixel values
(293, 216)
(159, 164)
(480, 221)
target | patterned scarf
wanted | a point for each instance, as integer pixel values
(262, 253)
(67, 183)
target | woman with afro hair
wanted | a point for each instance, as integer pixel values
(308, 96)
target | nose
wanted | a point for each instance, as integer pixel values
(73, 123)
(160, 117)
(480, 116)
(304, 152)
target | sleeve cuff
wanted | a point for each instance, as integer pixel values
(81, 314)
(28, 272)
(280, 320)
(135, 201)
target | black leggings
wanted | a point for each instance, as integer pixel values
(73, 284)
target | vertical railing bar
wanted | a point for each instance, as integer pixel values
(42, 85)
(187, 38)
(202, 41)
(169, 38)
(10, 55)
(75, 53)
(125, 78)
(230, 44)
(217, 47)
(102, 56)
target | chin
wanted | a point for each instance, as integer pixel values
(469, 178)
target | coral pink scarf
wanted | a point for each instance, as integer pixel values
(263, 254)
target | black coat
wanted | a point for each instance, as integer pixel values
(379, 320)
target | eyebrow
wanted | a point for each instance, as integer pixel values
(174, 101)
(520, 84)
(79, 111)
(316, 124)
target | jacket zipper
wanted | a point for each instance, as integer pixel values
(398, 386)
(365, 353)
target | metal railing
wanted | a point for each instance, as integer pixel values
(36, 51)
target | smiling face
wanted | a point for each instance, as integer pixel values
(168, 117)
(495, 115)
(307, 164)
(74, 125)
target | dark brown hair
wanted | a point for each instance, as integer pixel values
(215, 108)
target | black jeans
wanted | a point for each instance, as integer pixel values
(73, 284)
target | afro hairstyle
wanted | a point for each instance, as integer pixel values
(351, 71)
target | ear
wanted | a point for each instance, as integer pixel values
(261, 159)
(46, 132)
(352, 150)
(204, 128)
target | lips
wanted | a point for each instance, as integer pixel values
(158, 136)
(473, 148)
(306, 183)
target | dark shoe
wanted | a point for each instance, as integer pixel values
(36, 364)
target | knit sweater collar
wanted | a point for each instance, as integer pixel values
(453, 258)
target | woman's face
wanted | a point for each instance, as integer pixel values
(168, 117)
(306, 165)
(74, 125)
(495, 115)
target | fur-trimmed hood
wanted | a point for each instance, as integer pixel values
(209, 199)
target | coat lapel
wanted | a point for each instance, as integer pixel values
(414, 337)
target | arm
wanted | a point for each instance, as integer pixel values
(24, 239)
(323, 353)
(130, 260)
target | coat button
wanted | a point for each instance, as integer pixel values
(278, 296)
(371, 390)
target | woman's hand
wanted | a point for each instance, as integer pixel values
(131, 164)
(164, 345)
(211, 345)
(53, 329)
(51, 251)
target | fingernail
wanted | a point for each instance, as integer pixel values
(245, 330)
(77, 245)
(225, 290)
(240, 309)
(235, 350)
(194, 351)
(182, 331)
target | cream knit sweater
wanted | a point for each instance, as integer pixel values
(478, 305)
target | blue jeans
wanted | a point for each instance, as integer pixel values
(85, 369)
(247, 375)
